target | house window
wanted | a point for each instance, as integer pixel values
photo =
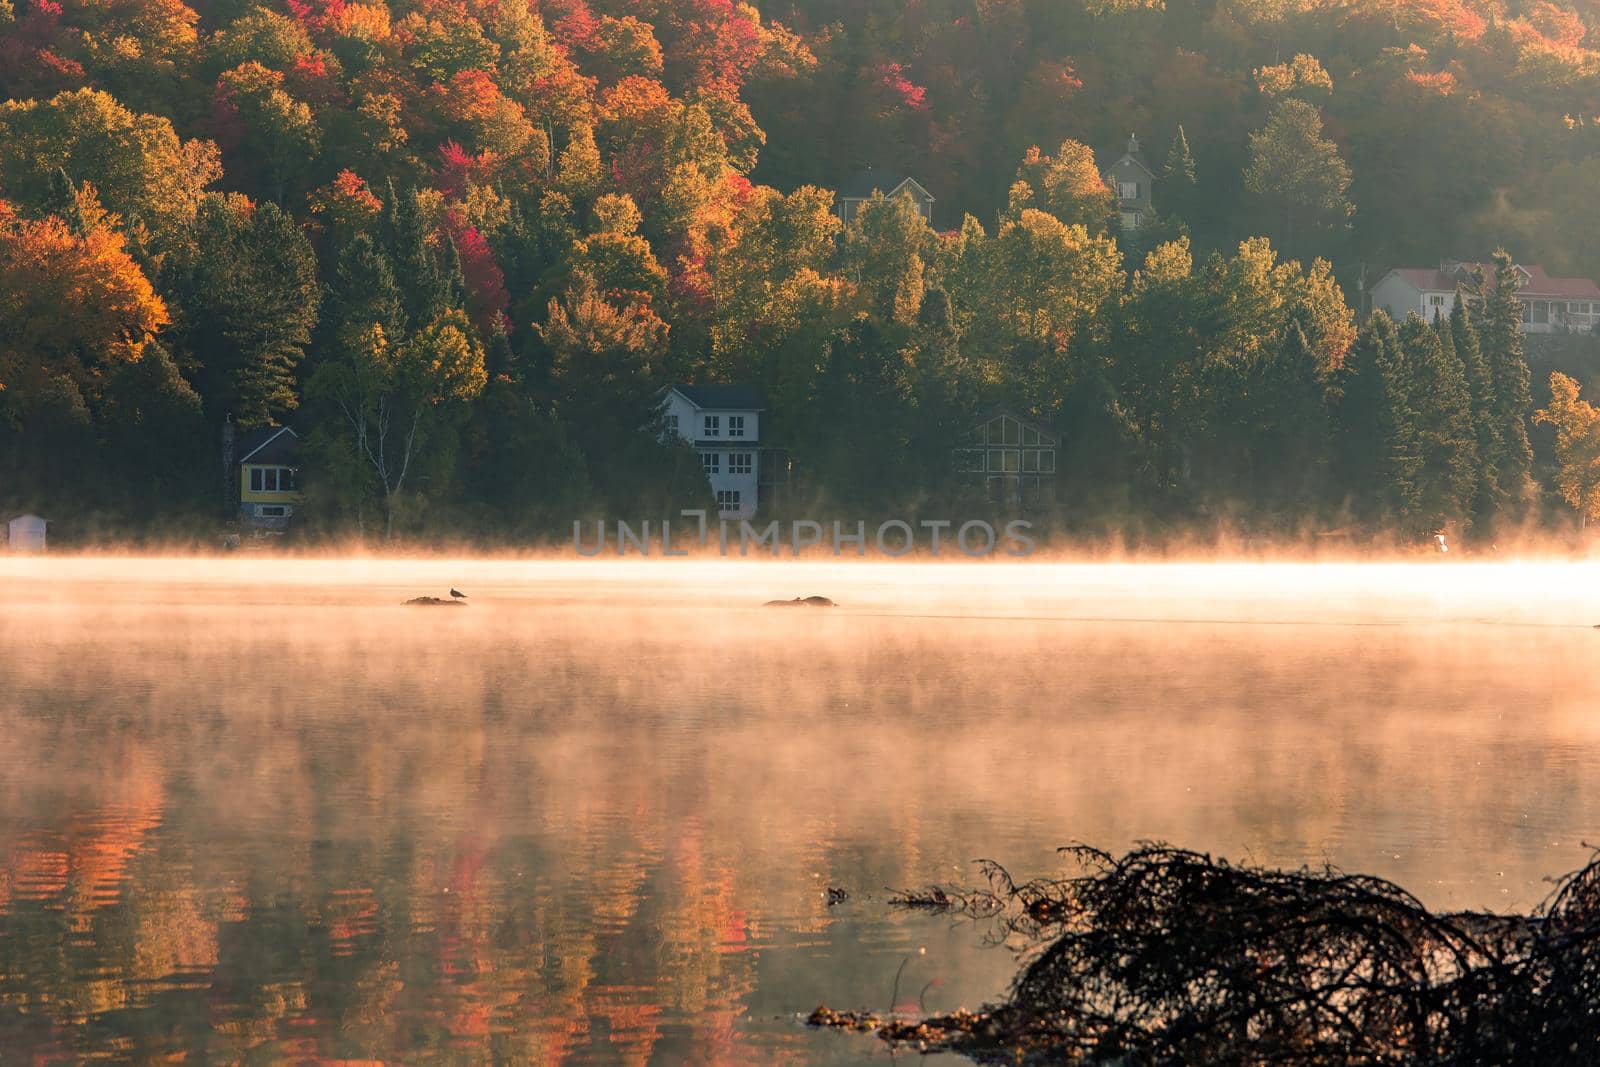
(711, 462)
(1030, 461)
(1010, 455)
(1527, 313)
(738, 463)
(272, 511)
(672, 425)
(1047, 461)
(1541, 311)
(1128, 190)
(713, 426)
(1436, 300)
(735, 425)
(272, 479)
(1130, 220)
(728, 499)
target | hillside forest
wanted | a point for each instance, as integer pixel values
(461, 247)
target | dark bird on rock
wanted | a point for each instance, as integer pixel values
(458, 594)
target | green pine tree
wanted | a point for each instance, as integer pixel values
(1500, 332)
(1486, 431)
(1446, 445)
(430, 290)
(1180, 163)
(1377, 447)
(362, 294)
(247, 298)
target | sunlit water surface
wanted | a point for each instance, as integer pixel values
(256, 809)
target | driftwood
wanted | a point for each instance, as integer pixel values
(1167, 956)
(802, 602)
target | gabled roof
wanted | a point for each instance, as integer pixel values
(889, 183)
(272, 444)
(1001, 409)
(720, 397)
(1536, 284)
(27, 517)
(1129, 152)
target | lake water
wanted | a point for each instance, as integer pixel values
(254, 809)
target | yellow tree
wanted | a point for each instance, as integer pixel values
(70, 304)
(1577, 424)
(1067, 185)
(138, 163)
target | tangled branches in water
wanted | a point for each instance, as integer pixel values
(1168, 956)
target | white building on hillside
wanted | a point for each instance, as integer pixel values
(1549, 305)
(723, 422)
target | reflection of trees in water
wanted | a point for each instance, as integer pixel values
(536, 837)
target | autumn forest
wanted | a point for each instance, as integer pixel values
(461, 247)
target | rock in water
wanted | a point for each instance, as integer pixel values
(434, 602)
(802, 602)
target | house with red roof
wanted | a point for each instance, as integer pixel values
(1549, 305)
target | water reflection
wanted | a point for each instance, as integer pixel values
(257, 810)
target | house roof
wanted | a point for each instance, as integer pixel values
(1129, 151)
(717, 396)
(862, 186)
(1538, 284)
(1001, 409)
(29, 517)
(272, 444)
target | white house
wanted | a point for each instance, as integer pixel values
(859, 189)
(25, 533)
(723, 422)
(1549, 305)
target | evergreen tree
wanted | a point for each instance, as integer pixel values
(1486, 430)
(1377, 447)
(361, 294)
(1299, 172)
(1500, 332)
(154, 430)
(1180, 163)
(247, 300)
(1288, 427)
(1446, 445)
(431, 288)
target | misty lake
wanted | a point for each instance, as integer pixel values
(255, 809)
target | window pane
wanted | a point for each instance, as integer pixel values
(255, 479)
(1047, 461)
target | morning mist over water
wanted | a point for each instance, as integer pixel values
(257, 807)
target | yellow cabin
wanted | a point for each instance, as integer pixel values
(268, 488)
